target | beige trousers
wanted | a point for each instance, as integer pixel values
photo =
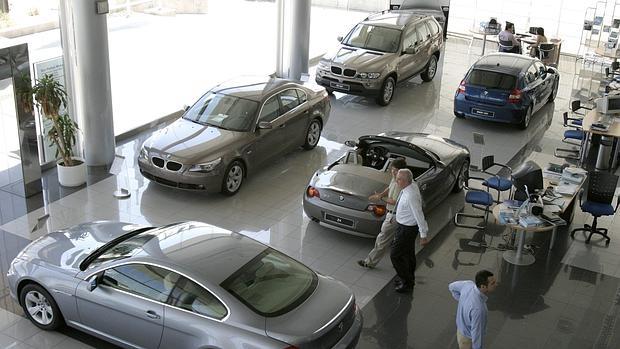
(464, 342)
(383, 241)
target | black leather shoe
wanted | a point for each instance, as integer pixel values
(362, 263)
(404, 288)
(398, 282)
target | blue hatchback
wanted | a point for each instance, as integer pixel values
(506, 87)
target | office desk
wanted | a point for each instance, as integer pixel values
(484, 34)
(614, 131)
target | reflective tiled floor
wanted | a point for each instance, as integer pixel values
(567, 299)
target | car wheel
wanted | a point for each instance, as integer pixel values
(40, 307)
(462, 177)
(387, 91)
(233, 178)
(554, 92)
(460, 116)
(526, 120)
(313, 134)
(431, 69)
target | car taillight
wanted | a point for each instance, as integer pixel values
(515, 96)
(313, 192)
(461, 88)
(377, 210)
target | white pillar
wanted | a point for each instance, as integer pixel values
(293, 38)
(84, 33)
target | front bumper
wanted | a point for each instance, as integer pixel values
(509, 113)
(365, 223)
(210, 182)
(354, 86)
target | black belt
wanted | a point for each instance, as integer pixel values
(392, 212)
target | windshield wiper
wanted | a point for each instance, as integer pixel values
(102, 249)
(217, 126)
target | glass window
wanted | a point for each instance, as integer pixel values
(374, 38)
(541, 68)
(491, 79)
(190, 296)
(288, 100)
(223, 111)
(423, 32)
(302, 96)
(143, 280)
(531, 74)
(272, 283)
(434, 29)
(410, 38)
(125, 248)
(271, 110)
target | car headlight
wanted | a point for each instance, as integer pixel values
(369, 75)
(144, 154)
(205, 167)
(323, 65)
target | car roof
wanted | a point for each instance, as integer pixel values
(206, 251)
(393, 19)
(504, 62)
(252, 87)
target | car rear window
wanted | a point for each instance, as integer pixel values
(272, 284)
(491, 79)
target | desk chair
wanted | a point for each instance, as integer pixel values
(506, 46)
(479, 199)
(496, 182)
(615, 70)
(545, 52)
(601, 187)
(574, 137)
(575, 107)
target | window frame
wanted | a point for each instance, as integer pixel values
(258, 119)
(279, 95)
(280, 110)
(422, 40)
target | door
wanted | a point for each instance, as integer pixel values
(547, 82)
(268, 142)
(409, 63)
(295, 116)
(534, 86)
(127, 304)
(424, 44)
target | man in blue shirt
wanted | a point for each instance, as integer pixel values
(471, 315)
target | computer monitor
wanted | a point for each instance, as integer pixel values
(533, 30)
(528, 174)
(609, 104)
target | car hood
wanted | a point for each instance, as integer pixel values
(66, 249)
(320, 313)
(189, 142)
(359, 59)
(351, 179)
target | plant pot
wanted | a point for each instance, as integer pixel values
(72, 176)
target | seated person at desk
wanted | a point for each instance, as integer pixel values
(540, 39)
(507, 40)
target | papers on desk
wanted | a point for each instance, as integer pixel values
(552, 208)
(530, 221)
(507, 216)
(566, 188)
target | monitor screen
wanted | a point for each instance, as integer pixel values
(613, 104)
(533, 30)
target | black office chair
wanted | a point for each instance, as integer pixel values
(575, 107)
(614, 70)
(497, 182)
(544, 51)
(601, 187)
(506, 46)
(575, 137)
(479, 199)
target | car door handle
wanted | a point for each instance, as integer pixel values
(282, 126)
(151, 314)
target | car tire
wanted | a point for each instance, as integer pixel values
(387, 91)
(460, 116)
(462, 177)
(40, 308)
(554, 91)
(431, 69)
(233, 178)
(313, 134)
(526, 120)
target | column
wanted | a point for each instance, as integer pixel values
(293, 38)
(84, 34)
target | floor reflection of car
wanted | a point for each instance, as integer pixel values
(184, 285)
(506, 87)
(232, 130)
(337, 195)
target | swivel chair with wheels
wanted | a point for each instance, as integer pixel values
(497, 182)
(601, 187)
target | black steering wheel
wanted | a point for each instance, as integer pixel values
(376, 156)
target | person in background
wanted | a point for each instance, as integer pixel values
(471, 314)
(385, 237)
(507, 35)
(540, 39)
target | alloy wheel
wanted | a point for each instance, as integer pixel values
(234, 178)
(314, 133)
(39, 308)
(388, 90)
(432, 67)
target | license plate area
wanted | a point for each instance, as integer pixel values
(339, 86)
(488, 114)
(339, 220)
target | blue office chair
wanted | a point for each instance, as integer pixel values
(575, 137)
(496, 181)
(479, 199)
(601, 187)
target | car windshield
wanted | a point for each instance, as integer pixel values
(272, 283)
(223, 111)
(124, 249)
(491, 79)
(374, 38)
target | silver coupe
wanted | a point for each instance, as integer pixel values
(232, 130)
(338, 195)
(184, 285)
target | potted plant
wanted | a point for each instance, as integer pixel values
(50, 98)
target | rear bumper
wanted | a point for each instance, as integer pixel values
(361, 87)
(509, 113)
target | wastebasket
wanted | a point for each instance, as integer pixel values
(603, 157)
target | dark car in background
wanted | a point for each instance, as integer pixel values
(507, 88)
(424, 7)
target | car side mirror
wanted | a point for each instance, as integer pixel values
(94, 282)
(550, 70)
(185, 107)
(339, 38)
(351, 144)
(265, 125)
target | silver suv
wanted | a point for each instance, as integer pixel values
(385, 48)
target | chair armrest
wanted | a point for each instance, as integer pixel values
(467, 187)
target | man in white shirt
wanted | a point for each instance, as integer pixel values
(410, 220)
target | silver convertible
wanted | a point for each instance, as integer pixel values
(337, 195)
(184, 285)
(232, 130)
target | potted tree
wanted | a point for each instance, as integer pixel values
(50, 98)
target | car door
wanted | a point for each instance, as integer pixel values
(295, 116)
(534, 87)
(409, 60)
(272, 141)
(432, 182)
(546, 82)
(424, 44)
(126, 305)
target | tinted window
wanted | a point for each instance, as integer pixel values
(432, 27)
(541, 68)
(491, 79)
(422, 32)
(223, 111)
(289, 100)
(190, 296)
(272, 283)
(531, 74)
(374, 38)
(410, 39)
(143, 280)
(271, 110)
(302, 96)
